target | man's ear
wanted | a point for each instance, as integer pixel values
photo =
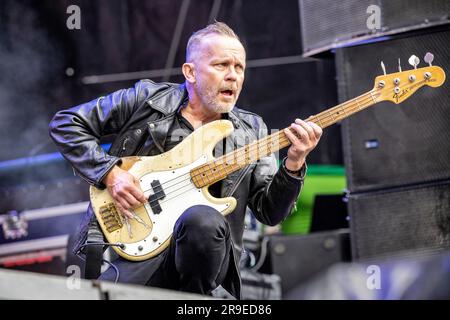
(189, 72)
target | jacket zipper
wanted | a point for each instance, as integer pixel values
(238, 181)
(124, 146)
(241, 176)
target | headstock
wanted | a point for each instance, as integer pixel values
(399, 86)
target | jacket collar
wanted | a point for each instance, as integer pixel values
(168, 101)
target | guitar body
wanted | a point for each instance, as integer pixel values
(166, 182)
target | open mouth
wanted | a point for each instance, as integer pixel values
(226, 93)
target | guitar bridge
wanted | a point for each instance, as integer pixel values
(111, 217)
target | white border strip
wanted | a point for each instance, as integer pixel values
(74, 208)
(34, 245)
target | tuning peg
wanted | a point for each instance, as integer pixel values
(414, 61)
(383, 67)
(399, 65)
(429, 57)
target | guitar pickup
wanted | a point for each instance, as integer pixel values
(110, 217)
(158, 194)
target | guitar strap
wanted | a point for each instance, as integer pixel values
(94, 253)
(94, 256)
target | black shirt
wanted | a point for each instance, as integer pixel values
(179, 130)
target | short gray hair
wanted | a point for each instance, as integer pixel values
(218, 28)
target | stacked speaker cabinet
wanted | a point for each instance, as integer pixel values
(298, 258)
(397, 157)
(330, 24)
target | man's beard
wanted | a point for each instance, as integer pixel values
(210, 99)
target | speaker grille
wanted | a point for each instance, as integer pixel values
(413, 138)
(419, 13)
(326, 24)
(298, 258)
(329, 22)
(392, 222)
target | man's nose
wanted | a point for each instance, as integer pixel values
(231, 74)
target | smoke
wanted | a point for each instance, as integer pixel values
(31, 67)
(28, 60)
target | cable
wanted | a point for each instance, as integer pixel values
(262, 256)
(120, 245)
(252, 259)
(115, 269)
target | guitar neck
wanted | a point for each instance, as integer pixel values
(344, 110)
(221, 167)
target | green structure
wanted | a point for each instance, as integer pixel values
(320, 179)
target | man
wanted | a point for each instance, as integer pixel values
(150, 119)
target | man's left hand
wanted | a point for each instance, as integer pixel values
(308, 136)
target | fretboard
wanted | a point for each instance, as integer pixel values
(221, 167)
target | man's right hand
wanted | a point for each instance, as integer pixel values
(125, 190)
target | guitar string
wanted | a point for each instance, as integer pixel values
(321, 117)
(283, 139)
(265, 139)
(361, 102)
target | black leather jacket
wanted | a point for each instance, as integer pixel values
(140, 117)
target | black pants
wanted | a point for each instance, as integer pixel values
(196, 260)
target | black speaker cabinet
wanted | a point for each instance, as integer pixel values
(388, 145)
(329, 24)
(407, 221)
(297, 258)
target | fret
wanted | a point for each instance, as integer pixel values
(261, 150)
(247, 158)
(226, 158)
(222, 168)
(209, 167)
(239, 157)
(255, 151)
(371, 94)
(322, 122)
(241, 154)
(332, 116)
(357, 103)
(267, 149)
(319, 122)
(213, 171)
(268, 145)
(227, 169)
(202, 175)
(344, 110)
(195, 178)
(218, 172)
(275, 143)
